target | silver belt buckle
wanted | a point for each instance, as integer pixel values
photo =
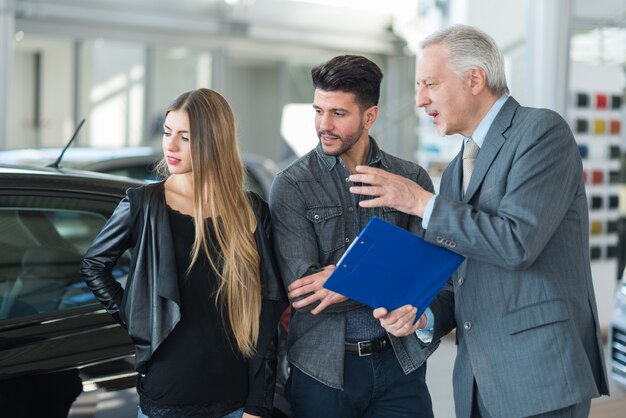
(359, 347)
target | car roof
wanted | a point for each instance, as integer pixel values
(25, 177)
(74, 156)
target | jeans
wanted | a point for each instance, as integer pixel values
(374, 387)
(235, 414)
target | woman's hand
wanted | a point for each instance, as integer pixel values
(245, 415)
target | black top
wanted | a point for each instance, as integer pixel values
(198, 365)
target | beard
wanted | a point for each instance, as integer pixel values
(346, 142)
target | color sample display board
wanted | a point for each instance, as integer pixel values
(596, 116)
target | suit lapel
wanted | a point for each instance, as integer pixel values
(491, 146)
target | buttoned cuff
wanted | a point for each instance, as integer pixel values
(426, 334)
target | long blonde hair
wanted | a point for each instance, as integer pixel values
(218, 175)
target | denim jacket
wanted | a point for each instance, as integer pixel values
(315, 218)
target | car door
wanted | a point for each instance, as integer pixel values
(49, 320)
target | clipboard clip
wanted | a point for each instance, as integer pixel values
(355, 253)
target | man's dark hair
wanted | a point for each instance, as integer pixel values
(351, 74)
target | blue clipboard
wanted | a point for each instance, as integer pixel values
(387, 266)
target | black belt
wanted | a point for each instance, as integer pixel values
(369, 347)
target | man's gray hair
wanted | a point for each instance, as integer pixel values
(468, 48)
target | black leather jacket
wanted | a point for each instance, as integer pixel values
(148, 306)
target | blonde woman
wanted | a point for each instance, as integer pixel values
(203, 294)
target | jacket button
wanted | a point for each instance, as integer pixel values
(439, 240)
(350, 209)
(452, 244)
(467, 326)
(461, 280)
(347, 239)
(316, 216)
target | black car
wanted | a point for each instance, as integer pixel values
(53, 332)
(51, 325)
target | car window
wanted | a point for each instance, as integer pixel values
(42, 242)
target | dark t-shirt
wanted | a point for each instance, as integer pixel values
(198, 364)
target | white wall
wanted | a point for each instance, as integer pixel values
(112, 94)
(56, 94)
(175, 70)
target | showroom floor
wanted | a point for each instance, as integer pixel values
(123, 404)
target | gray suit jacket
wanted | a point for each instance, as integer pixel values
(523, 301)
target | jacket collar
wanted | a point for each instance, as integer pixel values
(158, 218)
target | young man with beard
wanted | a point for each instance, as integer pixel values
(344, 364)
